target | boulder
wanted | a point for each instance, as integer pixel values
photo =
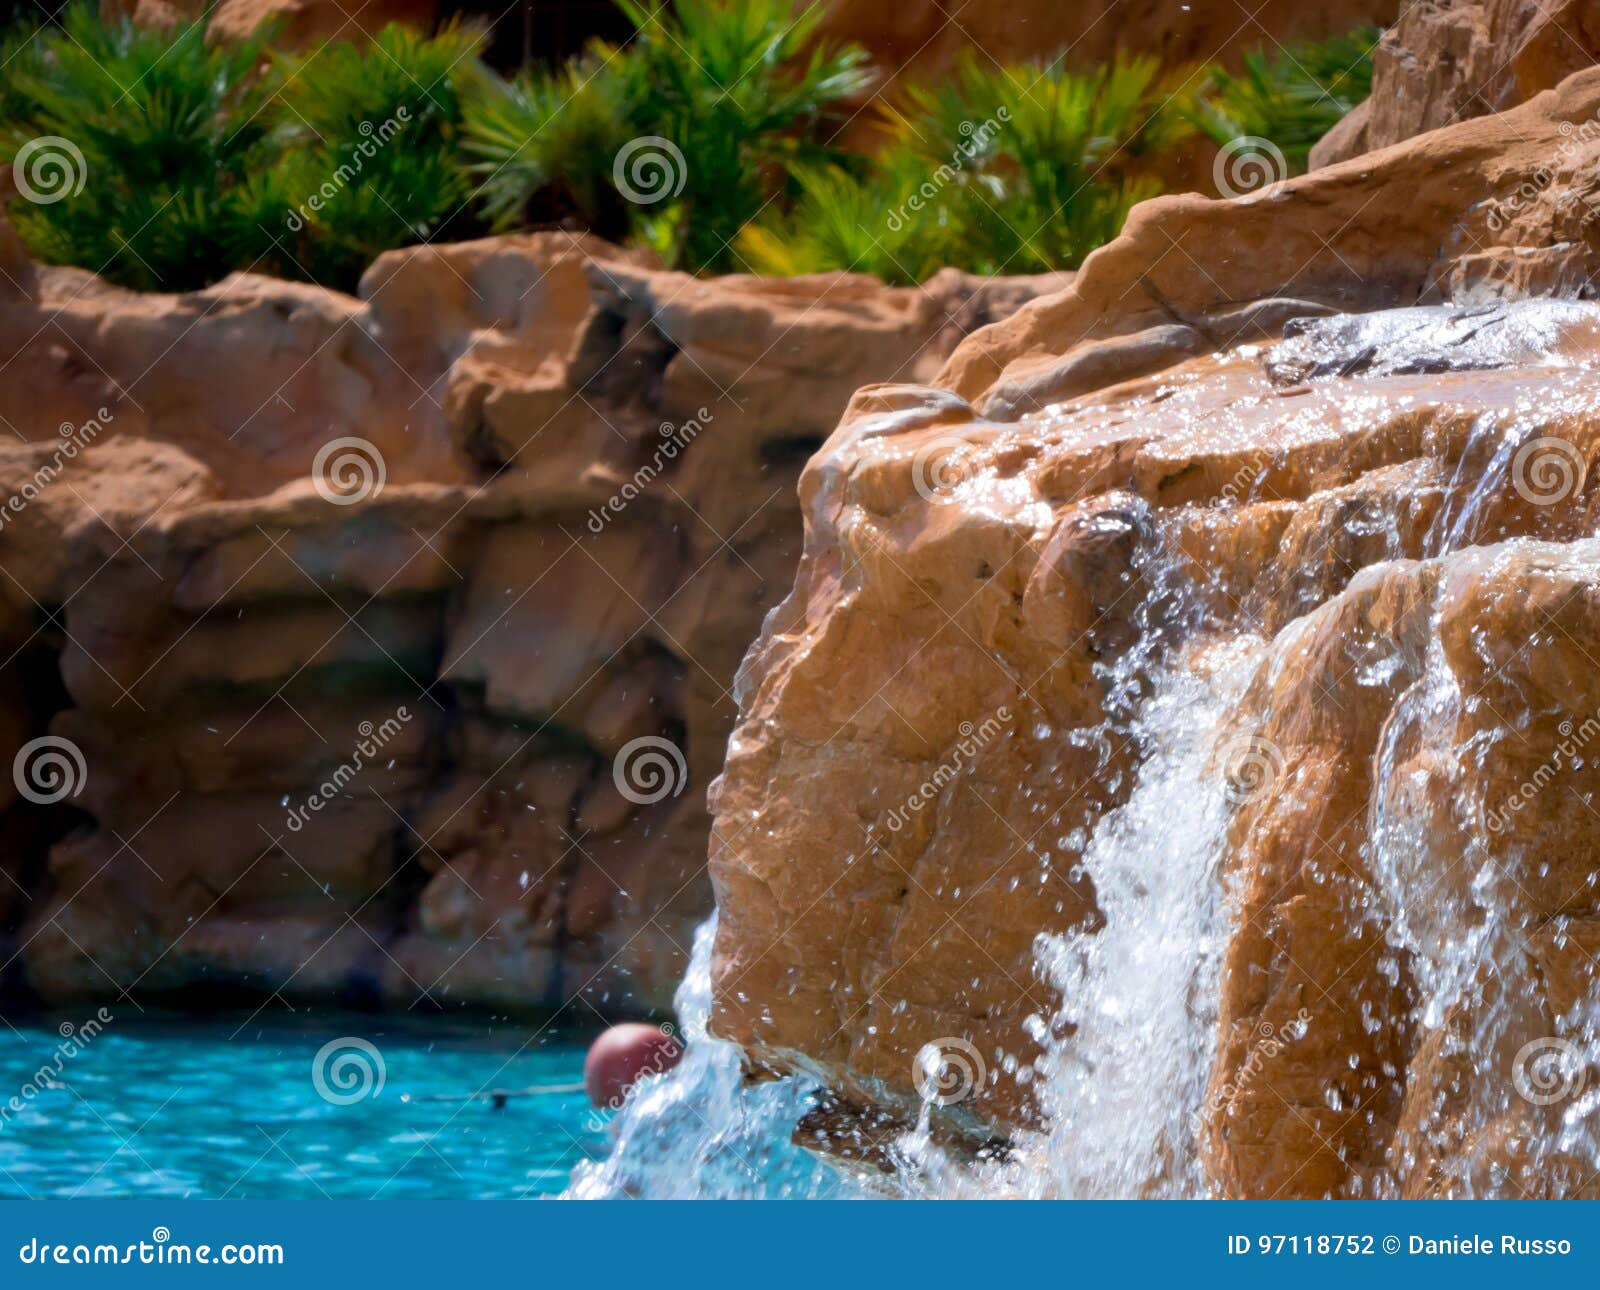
(1168, 772)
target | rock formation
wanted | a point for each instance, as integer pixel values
(1449, 60)
(1169, 677)
(343, 619)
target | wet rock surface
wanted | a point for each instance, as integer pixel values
(1137, 749)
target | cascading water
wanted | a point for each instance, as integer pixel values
(1122, 1084)
(698, 1131)
(1123, 1095)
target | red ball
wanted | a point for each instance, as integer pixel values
(622, 1056)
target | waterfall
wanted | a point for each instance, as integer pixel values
(697, 1132)
(1128, 1052)
(1122, 1089)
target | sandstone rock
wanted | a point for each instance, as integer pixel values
(986, 804)
(354, 608)
(1450, 60)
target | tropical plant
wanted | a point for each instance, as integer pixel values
(998, 169)
(718, 103)
(544, 142)
(176, 160)
(169, 161)
(134, 145)
(842, 219)
(366, 139)
(741, 90)
(1292, 99)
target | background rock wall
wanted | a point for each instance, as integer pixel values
(348, 609)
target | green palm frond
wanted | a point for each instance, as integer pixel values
(162, 126)
(1292, 99)
(552, 134)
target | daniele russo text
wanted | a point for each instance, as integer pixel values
(1487, 1245)
(1334, 1244)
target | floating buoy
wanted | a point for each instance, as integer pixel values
(623, 1055)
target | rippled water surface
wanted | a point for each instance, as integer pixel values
(227, 1107)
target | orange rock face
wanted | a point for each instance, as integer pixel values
(1171, 767)
(1446, 62)
(384, 645)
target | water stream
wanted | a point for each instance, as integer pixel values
(1127, 1059)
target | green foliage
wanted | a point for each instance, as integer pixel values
(163, 129)
(543, 143)
(366, 139)
(998, 170)
(741, 89)
(739, 93)
(847, 220)
(1292, 99)
(706, 136)
(200, 158)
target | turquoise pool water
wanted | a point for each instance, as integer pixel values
(165, 1106)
